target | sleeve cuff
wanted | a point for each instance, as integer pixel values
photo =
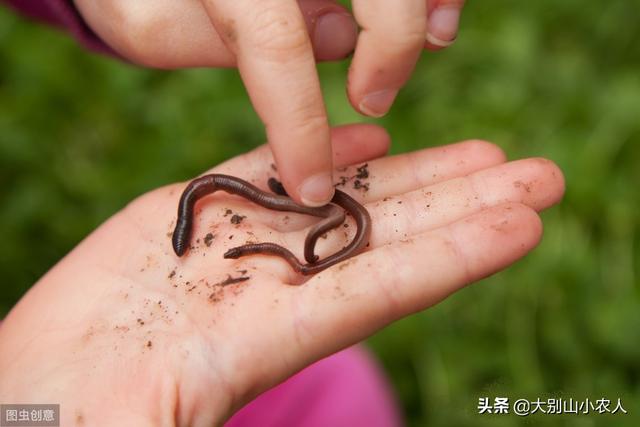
(63, 14)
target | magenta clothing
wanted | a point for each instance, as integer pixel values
(346, 389)
(63, 14)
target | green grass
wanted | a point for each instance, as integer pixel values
(81, 135)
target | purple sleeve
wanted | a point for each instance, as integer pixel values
(62, 13)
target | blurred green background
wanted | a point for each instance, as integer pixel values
(81, 135)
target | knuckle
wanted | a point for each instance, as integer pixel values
(138, 33)
(278, 35)
(408, 37)
(307, 122)
(412, 35)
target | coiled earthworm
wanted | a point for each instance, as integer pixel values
(333, 216)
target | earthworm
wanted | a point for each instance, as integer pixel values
(333, 216)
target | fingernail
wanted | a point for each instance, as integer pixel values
(377, 104)
(317, 190)
(334, 36)
(442, 26)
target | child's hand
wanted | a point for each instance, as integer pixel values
(275, 43)
(122, 332)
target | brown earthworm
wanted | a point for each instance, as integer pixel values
(332, 215)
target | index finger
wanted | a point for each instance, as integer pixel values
(389, 45)
(276, 62)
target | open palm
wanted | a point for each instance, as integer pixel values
(123, 324)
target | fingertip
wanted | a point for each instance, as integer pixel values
(432, 43)
(556, 176)
(540, 181)
(377, 104)
(334, 36)
(532, 229)
(496, 237)
(442, 25)
(305, 161)
(332, 29)
(316, 190)
(484, 149)
(378, 138)
(520, 221)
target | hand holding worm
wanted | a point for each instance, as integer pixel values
(202, 335)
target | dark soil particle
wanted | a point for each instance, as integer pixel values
(363, 171)
(216, 296)
(359, 185)
(208, 239)
(237, 219)
(232, 280)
